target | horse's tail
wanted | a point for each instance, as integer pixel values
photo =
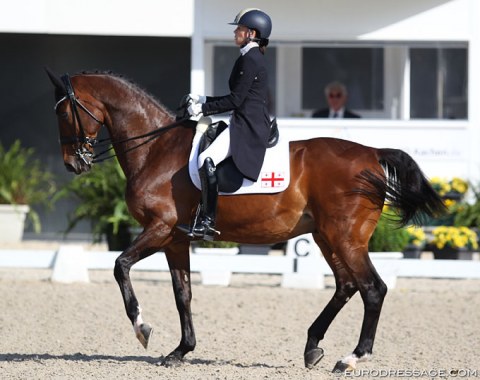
(403, 186)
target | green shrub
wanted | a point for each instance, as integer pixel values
(24, 181)
(101, 197)
(388, 237)
(214, 244)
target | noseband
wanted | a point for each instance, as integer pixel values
(83, 141)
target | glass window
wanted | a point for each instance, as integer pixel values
(360, 69)
(438, 83)
(375, 74)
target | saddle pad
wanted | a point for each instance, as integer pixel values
(274, 175)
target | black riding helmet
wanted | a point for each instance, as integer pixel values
(254, 18)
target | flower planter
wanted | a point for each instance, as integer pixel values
(12, 222)
(412, 251)
(448, 253)
(212, 275)
(255, 249)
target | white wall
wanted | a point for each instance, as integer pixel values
(439, 146)
(442, 148)
(348, 19)
(98, 17)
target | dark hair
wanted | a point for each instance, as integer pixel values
(262, 43)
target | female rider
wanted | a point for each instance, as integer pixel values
(246, 137)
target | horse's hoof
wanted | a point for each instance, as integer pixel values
(312, 357)
(171, 360)
(342, 367)
(144, 333)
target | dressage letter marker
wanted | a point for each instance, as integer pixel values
(272, 179)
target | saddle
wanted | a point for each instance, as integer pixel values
(229, 178)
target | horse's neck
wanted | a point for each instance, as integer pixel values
(132, 120)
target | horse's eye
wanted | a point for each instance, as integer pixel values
(63, 115)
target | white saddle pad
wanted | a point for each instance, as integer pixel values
(274, 175)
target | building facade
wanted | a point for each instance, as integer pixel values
(410, 67)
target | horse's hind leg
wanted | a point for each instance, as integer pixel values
(373, 291)
(345, 289)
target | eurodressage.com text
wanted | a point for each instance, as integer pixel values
(412, 373)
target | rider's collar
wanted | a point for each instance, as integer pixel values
(244, 49)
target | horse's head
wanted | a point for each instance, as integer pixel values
(80, 117)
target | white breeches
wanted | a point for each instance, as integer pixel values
(218, 150)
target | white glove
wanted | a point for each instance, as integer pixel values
(197, 98)
(194, 109)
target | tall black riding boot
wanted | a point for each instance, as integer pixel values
(205, 225)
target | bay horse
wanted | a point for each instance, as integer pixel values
(336, 193)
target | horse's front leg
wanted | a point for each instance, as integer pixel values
(141, 248)
(179, 263)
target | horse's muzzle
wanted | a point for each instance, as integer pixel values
(77, 167)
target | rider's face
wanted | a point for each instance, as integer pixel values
(242, 35)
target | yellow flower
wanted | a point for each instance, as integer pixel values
(455, 237)
(449, 203)
(417, 235)
(443, 186)
(459, 185)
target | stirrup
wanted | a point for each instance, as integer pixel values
(186, 229)
(205, 230)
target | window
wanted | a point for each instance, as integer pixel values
(390, 80)
(360, 69)
(438, 83)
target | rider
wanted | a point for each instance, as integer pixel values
(246, 137)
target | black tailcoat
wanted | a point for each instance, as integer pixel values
(250, 121)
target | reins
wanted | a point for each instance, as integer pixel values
(83, 139)
(152, 134)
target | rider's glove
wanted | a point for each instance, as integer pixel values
(194, 109)
(197, 98)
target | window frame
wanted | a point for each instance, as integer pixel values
(288, 79)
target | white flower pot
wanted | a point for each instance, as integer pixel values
(12, 222)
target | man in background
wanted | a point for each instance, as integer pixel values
(336, 94)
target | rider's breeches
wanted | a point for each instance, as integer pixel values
(218, 150)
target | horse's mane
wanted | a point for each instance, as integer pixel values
(129, 83)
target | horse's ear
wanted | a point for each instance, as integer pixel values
(57, 82)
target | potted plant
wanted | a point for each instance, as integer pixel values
(452, 192)
(23, 184)
(453, 243)
(388, 237)
(453, 189)
(416, 242)
(101, 200)
(468, 213)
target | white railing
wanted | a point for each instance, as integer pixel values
(301, 267)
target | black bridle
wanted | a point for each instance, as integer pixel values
(83, 142)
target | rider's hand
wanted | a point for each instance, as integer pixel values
(194, 109)
(197, 98)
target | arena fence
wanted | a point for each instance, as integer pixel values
(301, 267)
